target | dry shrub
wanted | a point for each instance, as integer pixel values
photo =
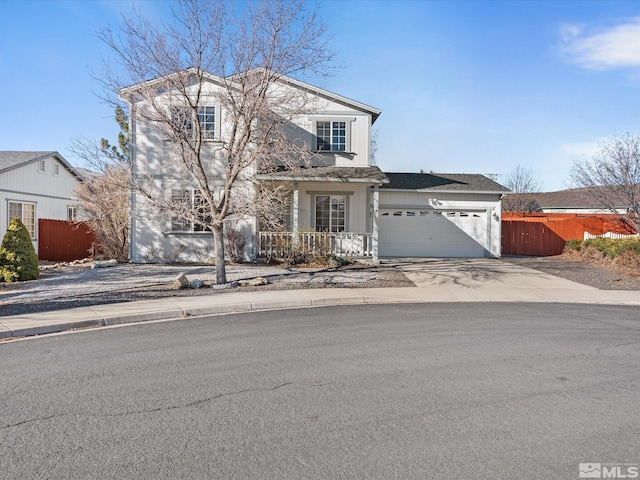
(628, 262)
(592, 253)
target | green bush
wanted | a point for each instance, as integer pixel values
(573, 245)
(18, 259)
(611, 248)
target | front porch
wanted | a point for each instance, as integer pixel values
(343, 244)
(332, 211)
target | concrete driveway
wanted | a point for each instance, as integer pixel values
(477, 273)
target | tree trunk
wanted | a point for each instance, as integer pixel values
(218, 241)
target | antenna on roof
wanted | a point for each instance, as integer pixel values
(492, 176)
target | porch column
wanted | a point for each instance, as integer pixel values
(374, 237)
(294, 216)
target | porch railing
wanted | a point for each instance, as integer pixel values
(343, 244)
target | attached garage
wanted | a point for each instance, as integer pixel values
(439, 215)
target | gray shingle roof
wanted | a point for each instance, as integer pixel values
(14, 159)
(456, 182)
(10, 160)
(572, 198)
(329, 174)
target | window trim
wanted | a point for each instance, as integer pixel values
(189, 124)
(331, 195)
(22, 203)
(348, 150)
(194, 228)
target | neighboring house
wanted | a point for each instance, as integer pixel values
(342, 200)
(574, 200)
(35, 185)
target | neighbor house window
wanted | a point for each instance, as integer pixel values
(331, 136)
(26, 212)
(331, 213)
(192, 202)
(72, 213)
(41, 165)
(56, 169)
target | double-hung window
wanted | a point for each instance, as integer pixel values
(26, 212)
(331, 136)
(183, 120)
(192, 202)
(331, 213)
(207, 121)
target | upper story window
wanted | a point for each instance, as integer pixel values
(331, 136)
(56, 169)
(26, 212)
(207, 121)
(41, 166)
(182, 119)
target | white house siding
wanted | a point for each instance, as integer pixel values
(357, 203)
(50, 193)
(441, 224)
(150, 239)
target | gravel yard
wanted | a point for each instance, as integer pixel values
(79, 285)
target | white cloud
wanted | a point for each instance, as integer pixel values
(604, 48)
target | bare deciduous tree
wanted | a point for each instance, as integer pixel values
(523, 182)
(237, 54)
(103, 195)
(611, 178)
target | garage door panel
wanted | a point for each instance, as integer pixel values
(425, 233)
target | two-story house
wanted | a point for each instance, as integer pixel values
(339, 197)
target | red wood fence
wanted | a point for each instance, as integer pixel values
(545, 234)
(62, 241)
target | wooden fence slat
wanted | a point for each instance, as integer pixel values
(63, 241)
(545, 234)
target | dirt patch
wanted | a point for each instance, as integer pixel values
(593, 272)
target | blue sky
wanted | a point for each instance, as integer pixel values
(464, 86)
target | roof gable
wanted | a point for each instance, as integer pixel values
(284, 79)
(10, 160)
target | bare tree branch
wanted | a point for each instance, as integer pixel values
(238, 57)
(611, 178)
(523, 182)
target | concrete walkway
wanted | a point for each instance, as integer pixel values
(437, 280)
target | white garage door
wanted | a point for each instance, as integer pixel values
(404, 232)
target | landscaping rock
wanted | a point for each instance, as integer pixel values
(195, 284)
(253, 282)
(105, 264)
(337, 261)
(180, 282)
(225, 286)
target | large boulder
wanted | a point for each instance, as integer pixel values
(180, 282)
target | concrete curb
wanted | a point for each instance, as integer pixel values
(183, 307)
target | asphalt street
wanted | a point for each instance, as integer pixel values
(426, 391)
